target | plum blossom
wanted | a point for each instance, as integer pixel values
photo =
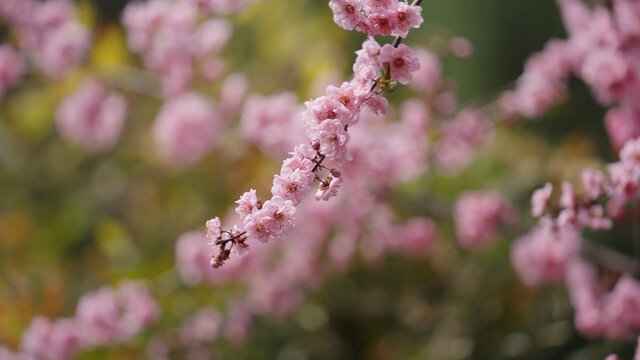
(401, 61)
(540, 199)
(333, 139)
(328, 188)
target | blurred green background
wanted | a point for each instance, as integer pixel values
(71, 221)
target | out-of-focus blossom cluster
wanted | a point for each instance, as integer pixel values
(602, 50)
(478, 216)
(550, 252)
(186, 128)
(172, 40)
(92, 117)
(599, 313)
(48, 33)
(104, 317)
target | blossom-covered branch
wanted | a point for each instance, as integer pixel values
(327, 120)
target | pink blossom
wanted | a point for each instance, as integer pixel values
(59, 340)
(593, 217)
(478, 216)
(214, 229)
(282, 212)
(111, 316)
(64, 49)
(92, 117)
(569, 198)
(139, 308)
(622, 124)
(186, 128)
(624, 180)
(100, 311)
(248, 203)
(292, 185)
(540, 200)
(333, 139)
(585, 294)
(535, 94)
(627, 15)
(202, 327)
(542, 255)
(382, 24)
(301, 159)
(401, 60)
(608, 73)
(406, 17)
(378, 5)
(323, 109)
(347, 13)
(460, 47)
(376, 104)
(210, 37)
(622, 308)
(592, 183)
(11, 68)
(274, 219)
(347, 95)
(630, 152)
(328, 188)
(54, 13)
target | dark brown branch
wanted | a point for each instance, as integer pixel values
(224, 241)
(317, 165)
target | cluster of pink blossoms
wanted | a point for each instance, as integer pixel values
(550, 252)
(326, 120)
(376, 17)
(614, 314)
(619, 186)
(92, 117)
(172, 41)
(48, 32)
(186, 128)
(103, 317)
(478, 216)
(601, 50)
